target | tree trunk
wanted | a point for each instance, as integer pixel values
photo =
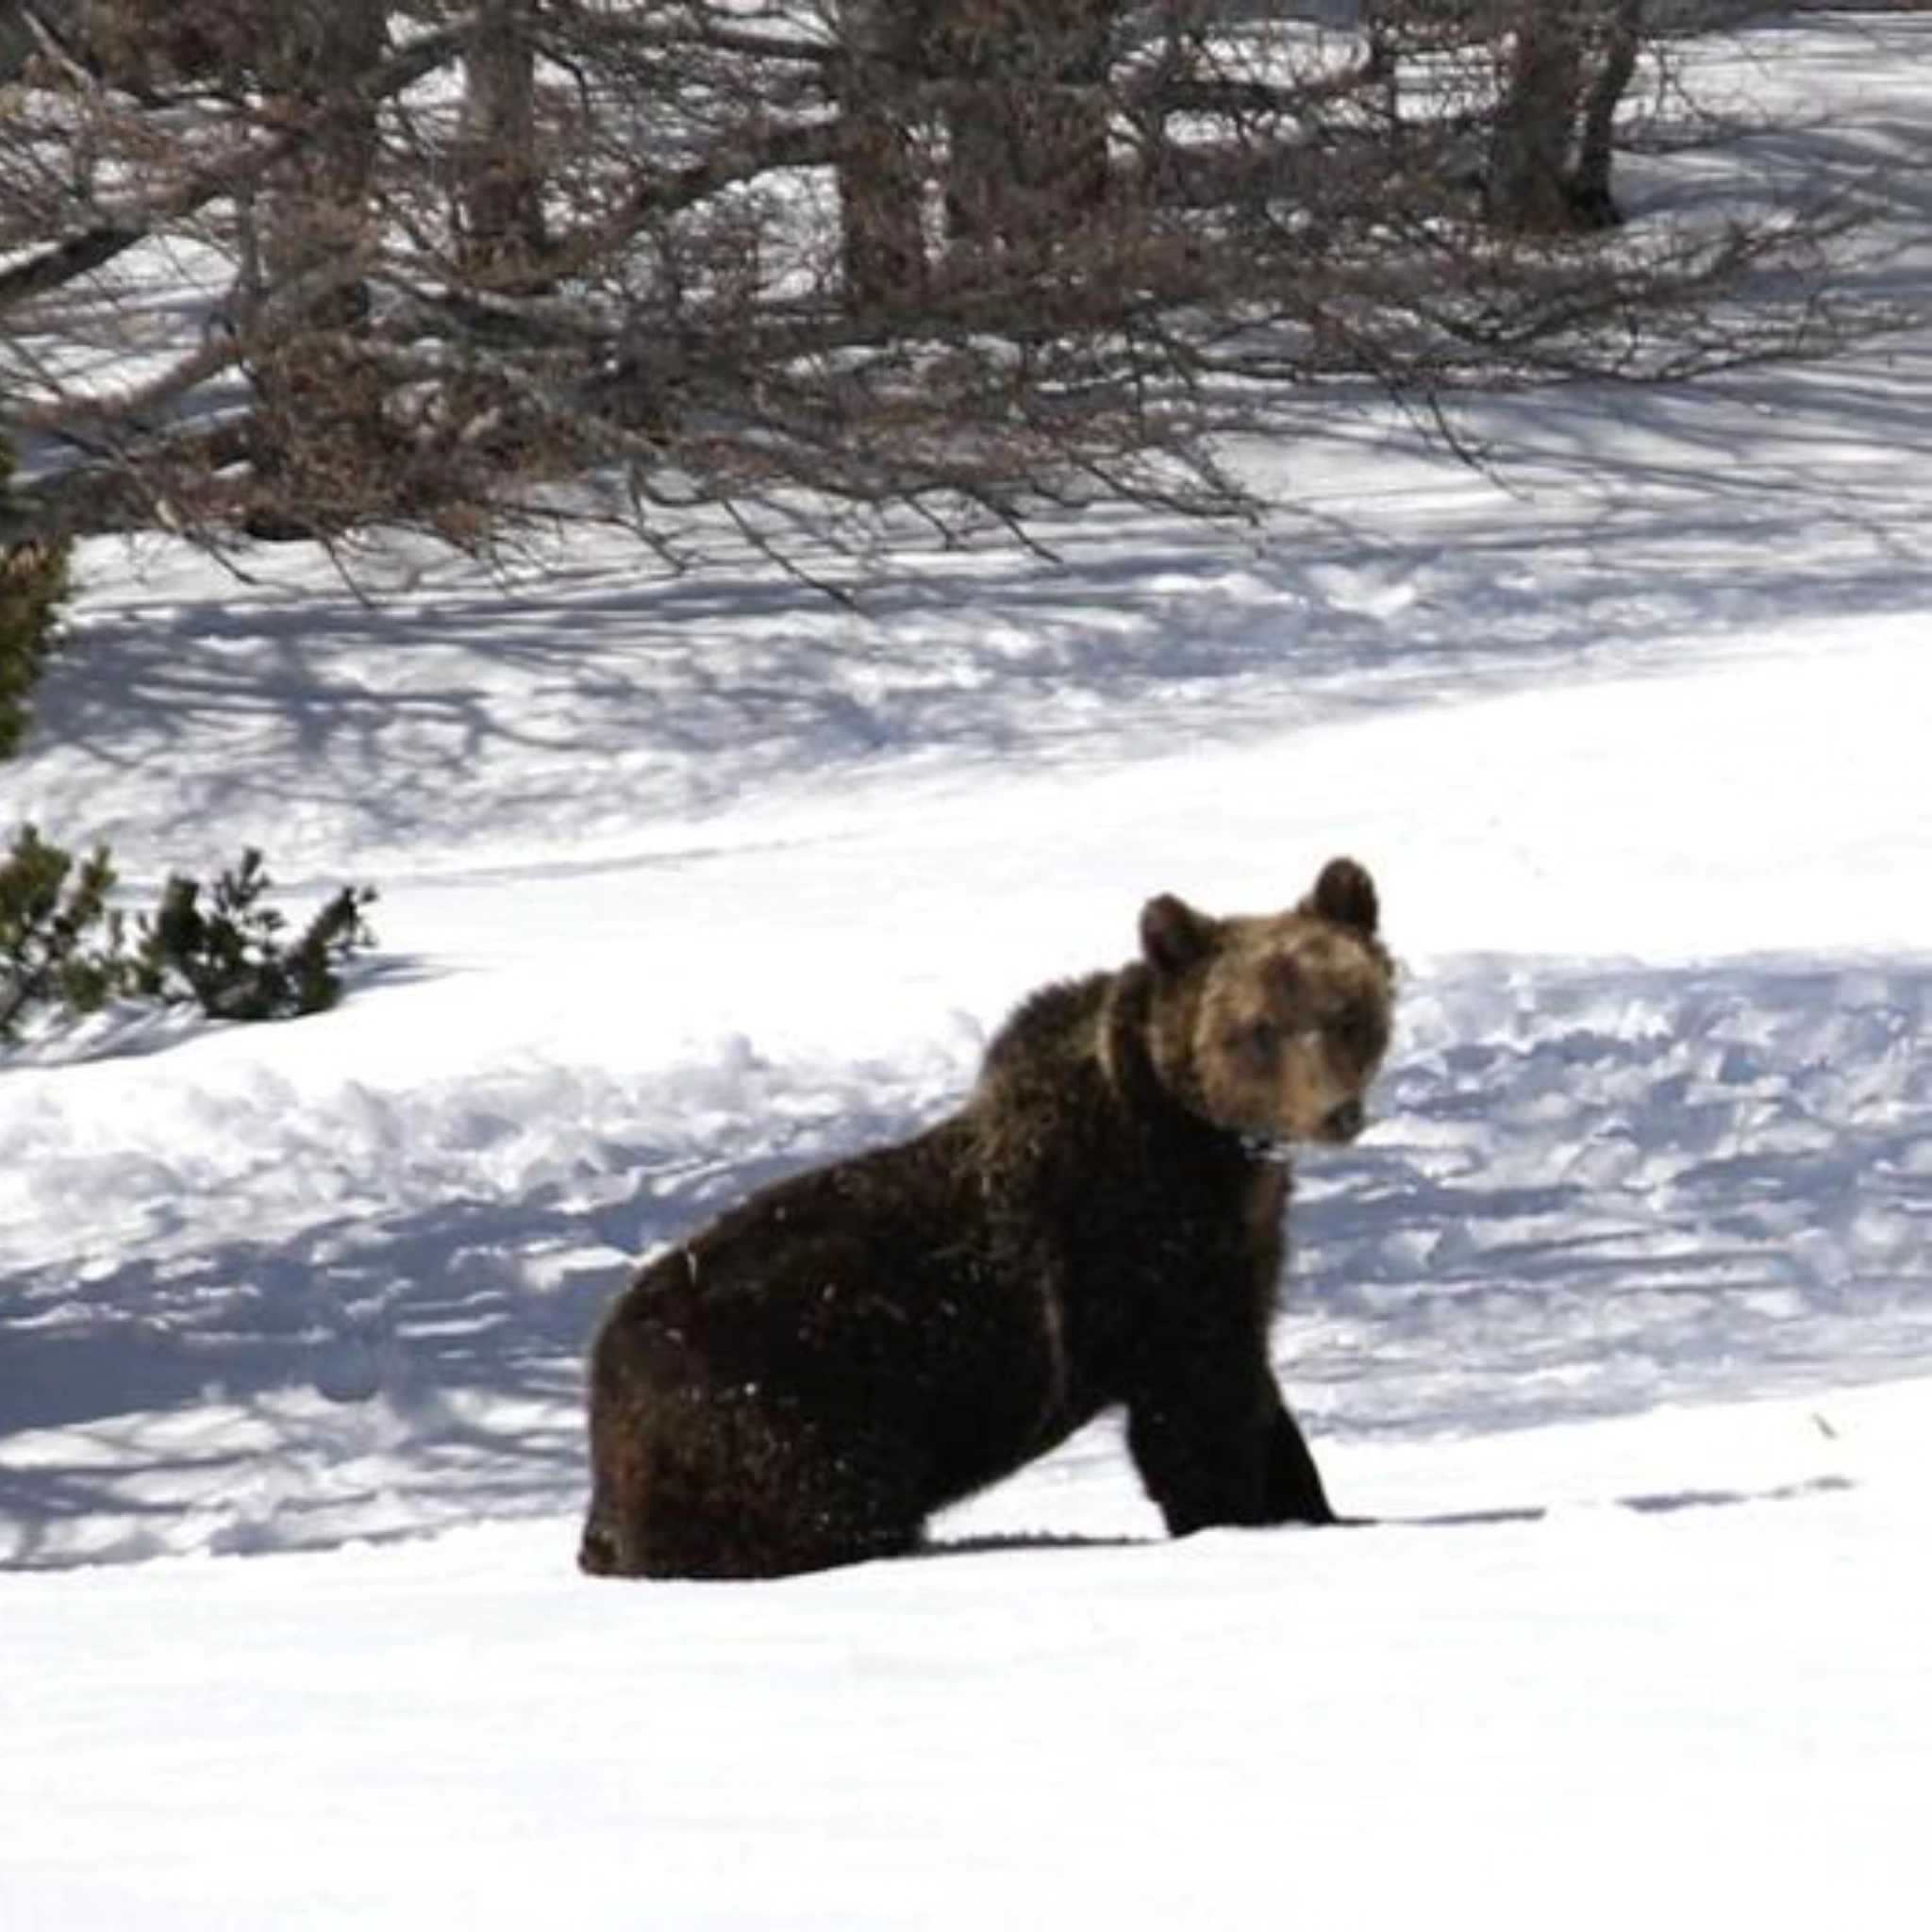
(1551, 148)
(500, 189)
(1531, 146)
(1027, 117)
(316, 415)
(881, 188)
(1622, 35)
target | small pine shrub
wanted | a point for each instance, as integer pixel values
(223, 950)
(227, 952)
(61, 942)
(33, 586)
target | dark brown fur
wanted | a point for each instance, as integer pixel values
(802, 1383)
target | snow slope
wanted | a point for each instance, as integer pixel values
(1694, 1705)
(1621, 1311)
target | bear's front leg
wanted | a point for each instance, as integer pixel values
(1295, 1483)
(1224, 1450)
(1202, 1444)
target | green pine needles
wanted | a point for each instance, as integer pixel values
(223, 948)
(59, 942)
(33, 586)
(230, 953)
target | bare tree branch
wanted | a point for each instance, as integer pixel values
(970, 256)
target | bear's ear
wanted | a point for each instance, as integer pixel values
(1174, 936)
(1346, 895)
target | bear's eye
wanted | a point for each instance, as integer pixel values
(1259, 1042)
(1356, 1033)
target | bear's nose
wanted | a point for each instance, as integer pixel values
(1344, 1120)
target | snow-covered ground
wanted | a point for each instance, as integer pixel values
(1674, 1677)
(1620, 1316)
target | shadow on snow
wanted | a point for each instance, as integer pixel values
(1635, 522)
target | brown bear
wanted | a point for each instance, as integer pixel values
(802, 1383)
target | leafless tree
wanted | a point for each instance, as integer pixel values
(293, 266)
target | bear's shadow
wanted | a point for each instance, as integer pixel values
(1641, 1503)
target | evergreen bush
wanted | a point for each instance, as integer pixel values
(228, 954)
(223, 948)
(60, 944)
(33, 586)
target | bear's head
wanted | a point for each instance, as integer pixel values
(1271, 1028)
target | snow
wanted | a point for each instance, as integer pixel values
(1616, 1696)
(1617, 1320)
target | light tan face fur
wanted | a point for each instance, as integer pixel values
(1274, 1027)
(1290, 1029)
